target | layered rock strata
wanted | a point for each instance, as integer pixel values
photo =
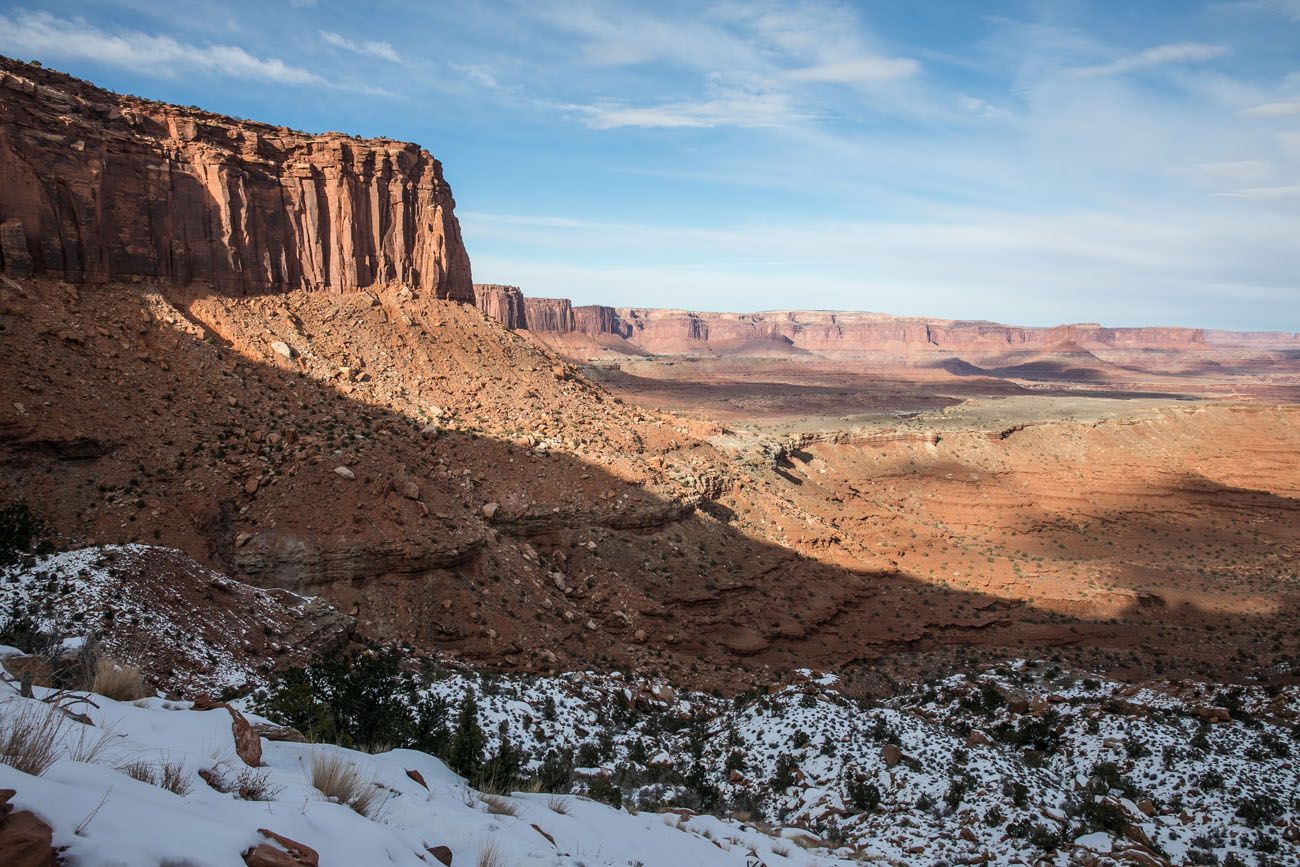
(96, 186)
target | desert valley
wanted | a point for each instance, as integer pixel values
(315, 551)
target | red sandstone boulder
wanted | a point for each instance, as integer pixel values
(248, 744)
(280, 852)
(25, 840)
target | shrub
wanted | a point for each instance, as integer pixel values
(602, 789)
(558, 804)
(20, 532)
(20, 630)
(364, 699)
(1259, 809)
(337, 778)
(863, 795)
(784, 776)
(118, 682)
(29, 736)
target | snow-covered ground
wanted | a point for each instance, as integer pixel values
(104, 816)
(1016, 764)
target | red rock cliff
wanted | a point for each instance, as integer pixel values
(548, 314)
(503, 303)
(670, 332)
(96, 186)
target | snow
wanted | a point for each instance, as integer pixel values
(104, 817)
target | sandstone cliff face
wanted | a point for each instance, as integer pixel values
(503, 303)
(548, 314)
(95, 186)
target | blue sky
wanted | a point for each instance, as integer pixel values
(1030, 162)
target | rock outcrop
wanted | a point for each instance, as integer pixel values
(96, 186)
(503, 303)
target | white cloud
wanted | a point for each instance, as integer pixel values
(1267, 194)
(980, 107)
(1160, 55)
(858, 71)
(741, 110)
(382, 50)
(39, 34)
(1281, 108)
(479, 74)
(746, 65)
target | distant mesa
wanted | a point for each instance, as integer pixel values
(831, 333)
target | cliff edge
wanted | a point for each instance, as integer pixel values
(97, 186)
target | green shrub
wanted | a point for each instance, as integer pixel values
(362, 700)
(20, 532)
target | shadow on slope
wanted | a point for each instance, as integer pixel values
(490, 547)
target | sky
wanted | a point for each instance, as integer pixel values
(1131, 163)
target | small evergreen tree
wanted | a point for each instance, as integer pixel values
(465, 754)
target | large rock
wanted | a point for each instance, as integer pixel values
(109, 186)
(248, 743)
(280, 852)
(25, 840)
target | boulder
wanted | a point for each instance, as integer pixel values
(441, 854)
(248, 743)
(280, 852)
(25, 840)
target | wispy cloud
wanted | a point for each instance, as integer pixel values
(382, 50)
(740, 110)
(749, 66)
(1266, 194)
(1281, 108)
(1160, 55)
(28, 34)
(857, 71)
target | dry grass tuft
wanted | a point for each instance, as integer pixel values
(168, 774)
(490, 855)
(118, 682)
(781, 849)
(499, 806)
(172, 777)
(29, 736)
(558, 804)
(339, 781)
(139, 770)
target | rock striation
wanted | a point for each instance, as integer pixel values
(96, 186)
